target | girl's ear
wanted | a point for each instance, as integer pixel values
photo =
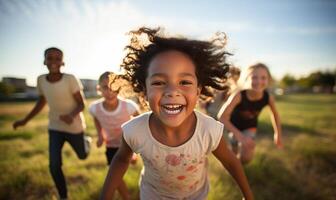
(98, 90)
(199, 89)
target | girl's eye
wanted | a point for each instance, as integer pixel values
(185, 82)
(157, 83)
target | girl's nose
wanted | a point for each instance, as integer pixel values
(171, 91)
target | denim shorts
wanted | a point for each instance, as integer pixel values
(249, 133)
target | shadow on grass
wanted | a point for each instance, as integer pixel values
(31, 153)
(265, 129)
(12, 135)
(4, 117)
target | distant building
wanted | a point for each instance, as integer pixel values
(19, 84)
(89, 87)
(25, 92)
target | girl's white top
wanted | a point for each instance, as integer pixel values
(174, 172)
(111, 121)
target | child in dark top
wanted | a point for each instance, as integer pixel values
(240, 113)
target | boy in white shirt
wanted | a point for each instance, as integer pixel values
(63, 94)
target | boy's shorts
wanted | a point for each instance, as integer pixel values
(248, 132)
(110, 152)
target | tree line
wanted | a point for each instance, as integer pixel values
(318, 81)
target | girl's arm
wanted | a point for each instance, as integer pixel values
(232, 164)
(117, 170)
(276, 123)
(68, 118)
(99, 132)
(41, 102)
(225, 115)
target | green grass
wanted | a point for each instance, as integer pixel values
(304, 169)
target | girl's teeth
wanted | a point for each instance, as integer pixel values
(172, 109)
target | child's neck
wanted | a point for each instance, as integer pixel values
(254, 95)
(110, 105)
(173, 136)
(54, 77)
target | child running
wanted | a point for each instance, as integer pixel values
(109, 113)
(173, 139)
(240, 114)
(63, 94)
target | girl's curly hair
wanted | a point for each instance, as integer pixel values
(209, 58)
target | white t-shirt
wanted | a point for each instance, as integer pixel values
(60, 99)
(111, 121)
(174, 172)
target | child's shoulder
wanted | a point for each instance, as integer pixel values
(42, 76)
(96, 102)
(140, 120)
(69, 76)
(207, 121)
(129, 101)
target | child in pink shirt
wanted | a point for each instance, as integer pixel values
(109, 113)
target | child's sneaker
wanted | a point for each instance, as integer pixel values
(87, 144)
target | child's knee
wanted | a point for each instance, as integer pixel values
(245, 160)
(247, 154)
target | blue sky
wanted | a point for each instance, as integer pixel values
(295, 37)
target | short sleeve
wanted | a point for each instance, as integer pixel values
(212, 132)
(93, 109)
(216, 135)
(135, 132)
(38, 86)
(128, 136)
(75, 84)
(132, 107)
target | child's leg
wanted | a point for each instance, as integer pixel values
(122, 188)
(247, 152)
(234, 144)
(123, 191)
(79, 143)
(56, 142)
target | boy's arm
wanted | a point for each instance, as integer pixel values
(99, 132)
(40, 103)
(68, 118)
(276, 123)
(232, 164)
(225, 115)
(116, 171)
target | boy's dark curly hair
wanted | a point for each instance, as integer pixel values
(209, 58)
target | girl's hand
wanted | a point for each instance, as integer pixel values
(278, 141)
(100, 141)
(248, 142)
(19, 123)
(68, 119)
(134, 159)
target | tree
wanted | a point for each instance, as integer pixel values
(6, 90)
(287, 81)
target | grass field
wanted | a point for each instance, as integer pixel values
(304, 169)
